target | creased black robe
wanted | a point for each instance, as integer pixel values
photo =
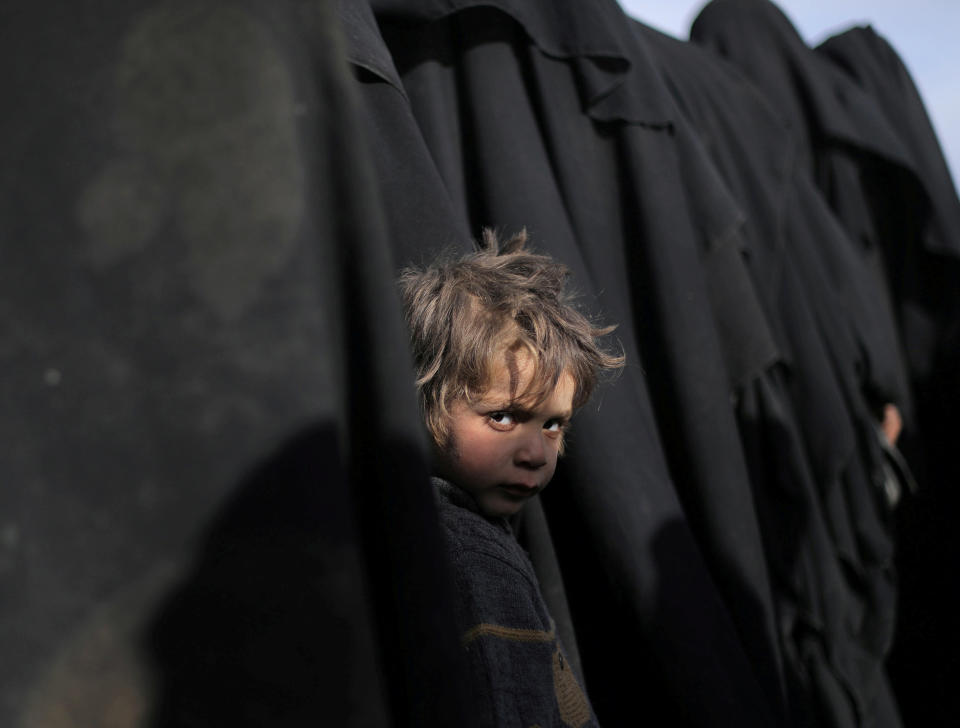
(800, 426)
(877, 165)
(550, 116)
(924, 254)
(215, 502)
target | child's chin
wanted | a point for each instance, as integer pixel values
(500, 507)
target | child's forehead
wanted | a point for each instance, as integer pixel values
(515, 379)
(513, 370)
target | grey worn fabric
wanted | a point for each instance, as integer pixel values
(519, 667)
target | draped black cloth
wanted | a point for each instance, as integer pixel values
(216, 506)
(551, 116)
(215, 510)
(878, 166)
(925, 277)
(825, 529)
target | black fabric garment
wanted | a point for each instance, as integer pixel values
(917, 219)
(837, 126)
(215, 504)
(875, 66)
(925, 275)
(817, 99)
(879, 168)
(564, 128)
(870, 164)
(800, 465)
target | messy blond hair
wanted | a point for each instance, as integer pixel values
(464, 312)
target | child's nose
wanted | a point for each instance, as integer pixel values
(532, 450)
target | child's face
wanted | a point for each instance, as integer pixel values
(503, 454)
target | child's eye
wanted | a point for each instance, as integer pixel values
(554, 425)
(502, 418)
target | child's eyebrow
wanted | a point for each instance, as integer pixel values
(525, 411)
(497, 405)
(509, 407)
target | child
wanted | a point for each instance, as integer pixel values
(503, 360)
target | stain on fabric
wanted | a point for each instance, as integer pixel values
(207, 147)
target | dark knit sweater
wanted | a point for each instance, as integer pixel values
(516, 661)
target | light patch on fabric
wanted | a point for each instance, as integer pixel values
(206, 130)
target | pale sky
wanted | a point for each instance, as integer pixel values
(923, 32)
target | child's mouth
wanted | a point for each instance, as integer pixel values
(519, 490)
